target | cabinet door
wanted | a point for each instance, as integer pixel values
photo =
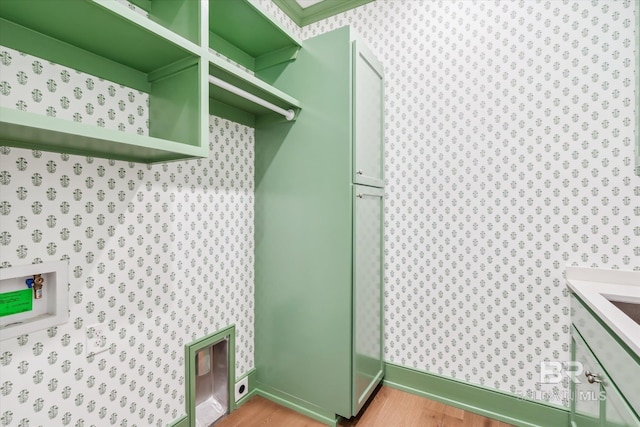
(367, 293)
(367, 118)
(617, 412)
(586, 397)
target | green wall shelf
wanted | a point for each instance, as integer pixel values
(37, 132)
(108, 40)
(225, 104)
(177, 16)
(105, 39)
(246, 34)
(167, 54)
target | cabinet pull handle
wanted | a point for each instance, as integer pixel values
(360, 196)
(592, 378)
(360, 172)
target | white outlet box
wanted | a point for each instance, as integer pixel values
(242, 388)
(97, 340)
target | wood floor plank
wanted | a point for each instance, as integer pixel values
(433, 406)
(387, 408)
(475, 420)
(260, 412)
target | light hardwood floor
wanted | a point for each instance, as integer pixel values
(388, 408)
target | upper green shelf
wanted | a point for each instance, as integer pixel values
(245, 33)
(230, 106)
(168, 50)
(109, 40)
(179, 16)
(36, 132)
(103, 38)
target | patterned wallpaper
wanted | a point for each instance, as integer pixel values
(38, 86)
(509, 147)
(161, 254)
(509, 155)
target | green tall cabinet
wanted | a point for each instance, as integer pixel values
(319, 221)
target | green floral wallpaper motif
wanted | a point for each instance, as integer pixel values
(509, 147)
(31, 84)
(160, 254)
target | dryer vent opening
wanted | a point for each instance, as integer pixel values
(209, 370)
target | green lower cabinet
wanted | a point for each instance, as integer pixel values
(617, 412)
(596, 401)
(318, 266)
(586, 402)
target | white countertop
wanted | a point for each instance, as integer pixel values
(597, 286)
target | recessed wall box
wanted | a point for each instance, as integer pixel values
(23, 313)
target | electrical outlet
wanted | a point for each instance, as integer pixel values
(242, 388)
(96, 338)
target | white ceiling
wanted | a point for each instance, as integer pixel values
(307, 3)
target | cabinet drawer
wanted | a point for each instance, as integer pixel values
(620, 365)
